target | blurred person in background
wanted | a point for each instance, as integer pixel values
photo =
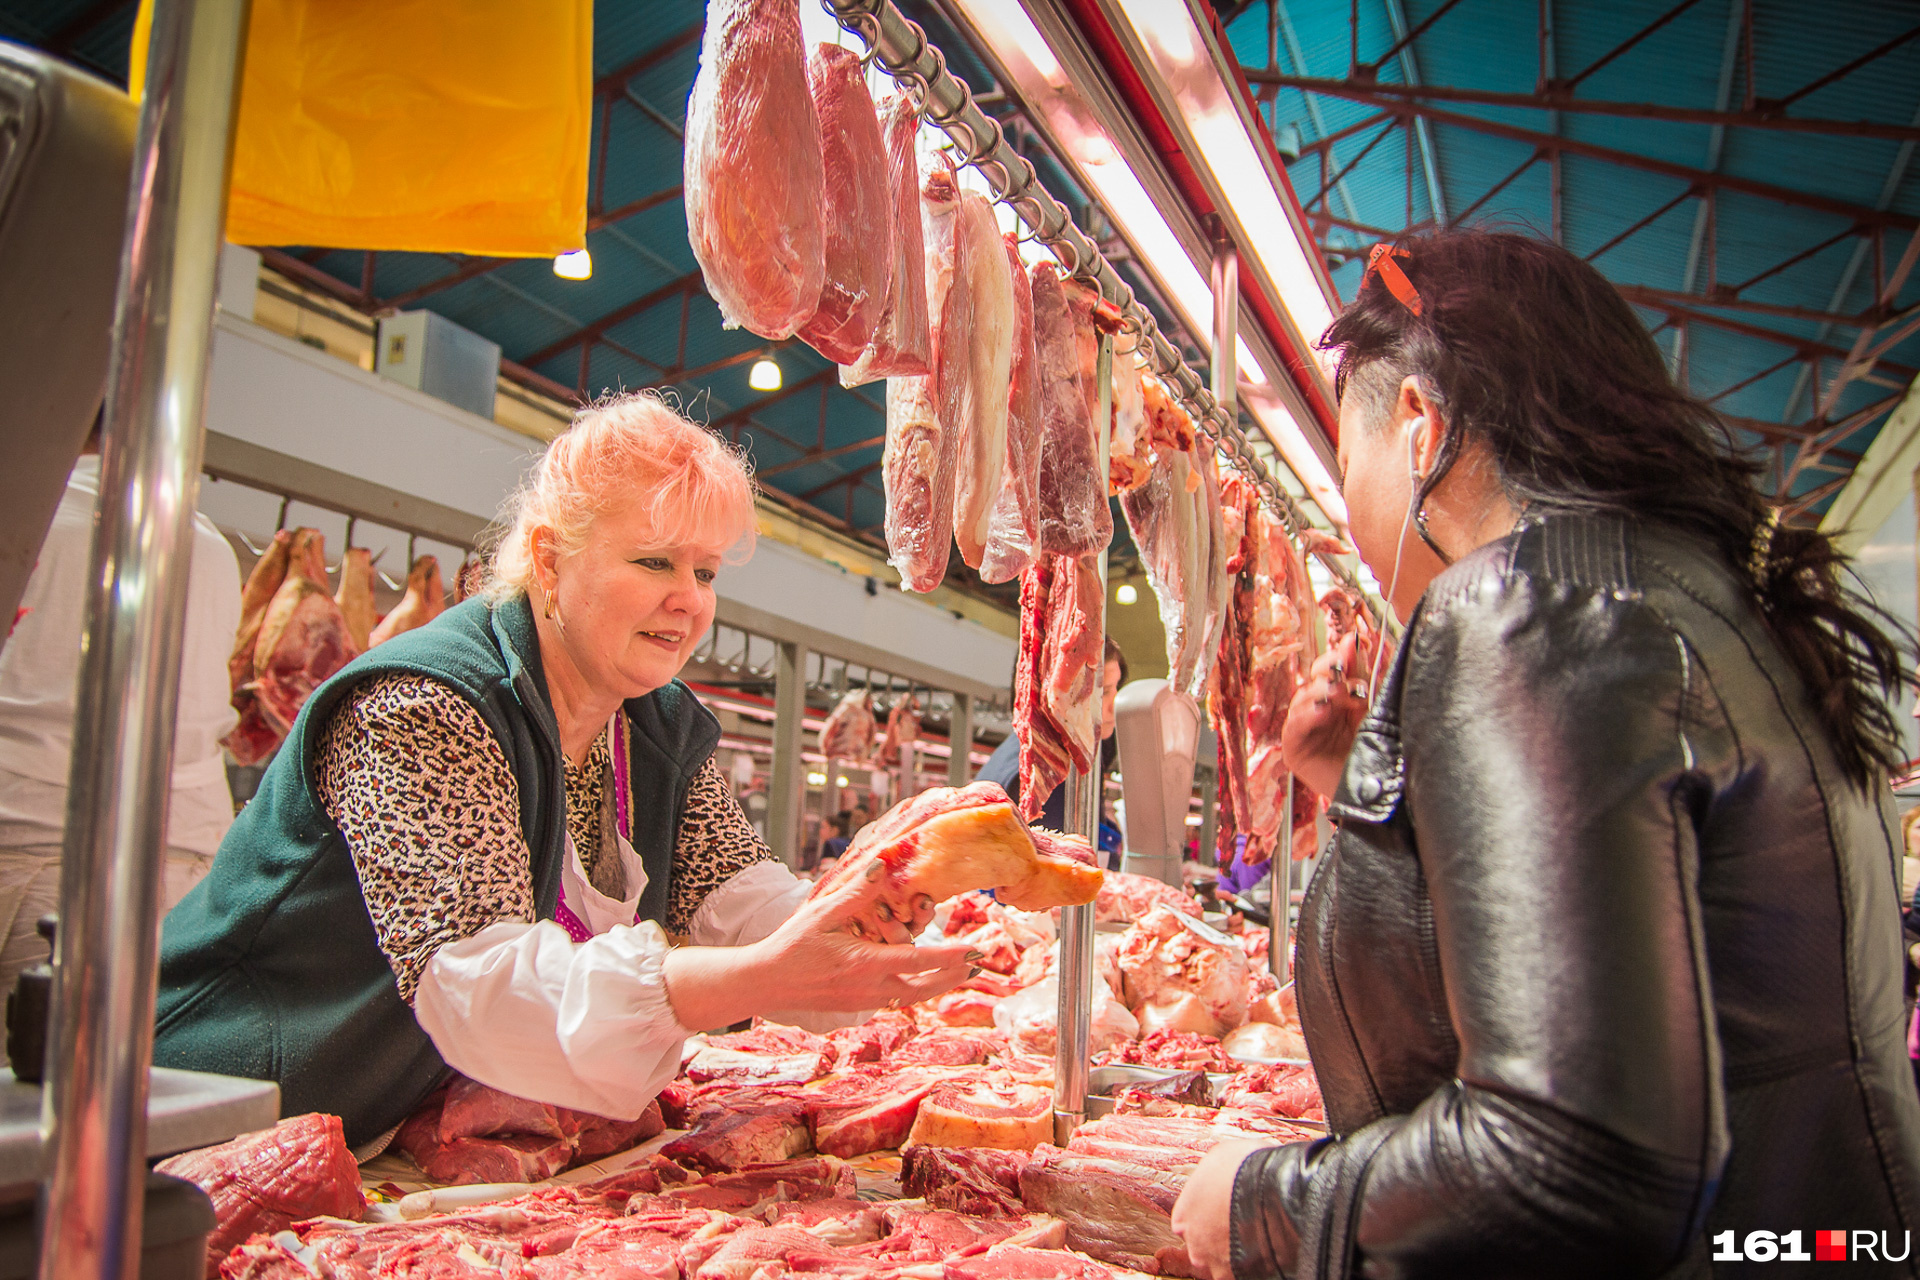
(39, 670)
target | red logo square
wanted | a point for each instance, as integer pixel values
(1829, 1246)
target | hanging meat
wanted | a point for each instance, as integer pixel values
(1227, 686)
(1016, 512)
(1169, 425)
(1044, 754)
(355, 596)
(1215, 544)
(849, 728)
(424, 600)
(1280, 652)
(1130, 445)
(755, 182)
(302, 640)
(469, 578)
(921, 453)
(903, 730)
(902, 343)
(1073, 491)
(1170, 532)
(857, 217)
(973, 365)
(269, 571)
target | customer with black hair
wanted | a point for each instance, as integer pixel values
(1601, 971)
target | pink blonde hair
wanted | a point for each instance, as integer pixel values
(620, 450)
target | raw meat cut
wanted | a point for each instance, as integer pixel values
(873, 1040)
(1215, 547)
(1044, 753)
(1227, 689)
(1179, 1050)
(742, 1134)
(1169, 425)
(849, 728)
(269, 571)
(836, 1222)
(755, 176)
(903, 730)
(1279, 1089)
(949, 840)
(902, 343)
(1031, 1019)
(857, 217)
(1280, 651)
(977, 1180)
(876, 1114)
(973, 363)
(468, 1134)
(917, 467)
(965, 1008)
(302, 640)
(469, 578)
(749, 1190)
(1167, 952)
(1159, 514)
(1175, 1010)
(355, 596)
(1074, 653)
(267, 1181)
(1263, 1040)
(1074, 518)
(1127, 897)
(425, 600)
(1015, 523)
(1130, 445)
(1120, 1212)
(1013, 1117)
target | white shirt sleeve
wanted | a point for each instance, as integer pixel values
(751, 904)
(526, 1010)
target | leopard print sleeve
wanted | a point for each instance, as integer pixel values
(716, 843)
(430, 811)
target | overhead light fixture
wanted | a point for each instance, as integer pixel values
(1180, 55)
(1280, 426)
(816, 779)
(840, 781)
(1126, 594)
(574, 264)
(764, 376)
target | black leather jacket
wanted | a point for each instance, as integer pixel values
(1605, 956)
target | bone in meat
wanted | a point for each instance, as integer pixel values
(755, 179)
(973, 363)
(1226, 701)
(1071, 660)
(355, 596)
(269, 571)
(1211, 551)
(1129, 446)
(425, 600)
(1015, 523)
(857, 217)
(949, 840)
(902, 343)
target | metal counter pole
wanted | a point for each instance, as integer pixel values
(1074, 1015)
(101, 1029)
(1280, 911)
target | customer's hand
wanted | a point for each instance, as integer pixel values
(1203, 1215)
(813, 963)
(1324, 717)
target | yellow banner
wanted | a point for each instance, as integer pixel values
(411, 124)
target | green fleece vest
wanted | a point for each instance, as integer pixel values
(270, 968)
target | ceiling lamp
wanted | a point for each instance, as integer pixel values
(574, 264)
(764, 376)
(1126, 594)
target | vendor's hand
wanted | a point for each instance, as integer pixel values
(813, 963)
(1324, 717)
(1204, 1213)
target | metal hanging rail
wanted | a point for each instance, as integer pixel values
(902, 49)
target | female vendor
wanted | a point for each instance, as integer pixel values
(482, 839)
(1601, 972)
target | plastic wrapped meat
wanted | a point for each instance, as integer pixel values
(1016, 512)
(1073, 490)
(1169, 955)
(755, 179)
(1129, 447)
(902, 343)
(1227, 684)
(849, 729)
(1160, 515)
(921, 453)
(1169, 426)
(857, 217)
(973, 367)
(1212, 550)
